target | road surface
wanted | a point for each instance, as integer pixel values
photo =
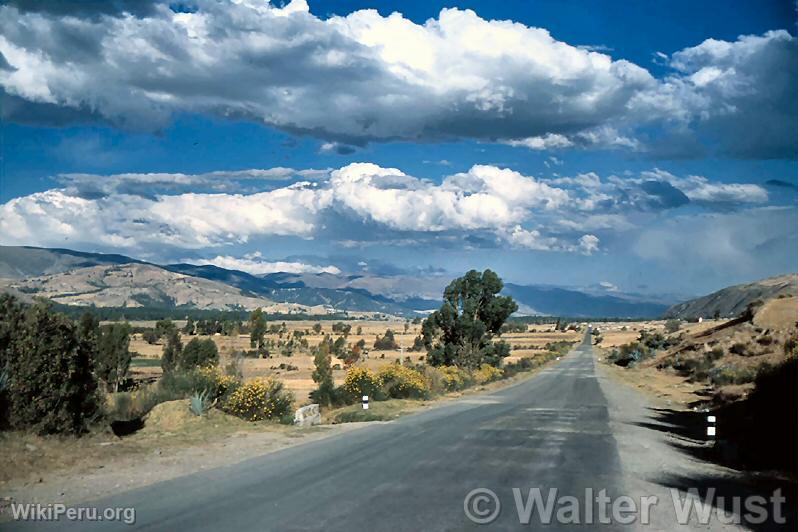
(552, 431)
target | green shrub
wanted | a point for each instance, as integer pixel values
(434, 382)
(715, 354)
(198, 353)
(183, 384)
(260, 399)
(729, 374)
(52, 387)
(150, 336)
(673, 325)
(418, 344)
(386, 342)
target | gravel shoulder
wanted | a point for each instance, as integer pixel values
(657, 459)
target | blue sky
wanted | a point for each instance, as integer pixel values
(646, 146)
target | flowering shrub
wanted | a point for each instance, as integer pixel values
(455, 378)
(259, 399)
(215, 383)
(401, 382)
(487, 373)
(360, 381)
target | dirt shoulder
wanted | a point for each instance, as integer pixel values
(662, 388)
(50, 470)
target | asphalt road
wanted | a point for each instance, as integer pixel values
(551, 431)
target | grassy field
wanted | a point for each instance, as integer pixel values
(299, 381)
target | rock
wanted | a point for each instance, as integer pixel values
(30, 447)
(307, 416)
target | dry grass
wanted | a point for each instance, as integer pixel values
(299, 381)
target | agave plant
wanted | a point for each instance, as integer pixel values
(200, 403)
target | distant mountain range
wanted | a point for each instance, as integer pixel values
(78, 278)
(732, 301)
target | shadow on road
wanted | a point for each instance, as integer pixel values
(728, 495)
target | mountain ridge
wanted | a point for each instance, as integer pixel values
(405, 294)
(733, 300)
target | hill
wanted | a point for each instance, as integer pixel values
(135, 285)
(66, 277)
(555, 301)
(18, 262)
(732, 301)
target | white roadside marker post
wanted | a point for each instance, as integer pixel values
(365, 402)
(711, 432)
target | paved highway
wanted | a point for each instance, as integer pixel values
(551, 431)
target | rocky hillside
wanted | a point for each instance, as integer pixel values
(134, 285)
(18, 262)
(732, 301)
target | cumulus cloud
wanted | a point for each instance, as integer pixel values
(255, 264)
(356, 205)
(151, 184)
(366, 77)
(740, 95)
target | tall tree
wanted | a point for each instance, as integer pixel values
(322, 373)
(164, 327)
(52, 385)
(113, 354)
(172, 350)
(257, 330)
(461, 332)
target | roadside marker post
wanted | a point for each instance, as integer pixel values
(365, 402)
(711, 431)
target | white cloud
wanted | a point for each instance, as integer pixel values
(700, 189)
(534, 240)
(359, 204)
(484, 197)
(356, 78)
(608, 286)
(365, 77)
(740, 96)
(588, 244)
(545, 142)
(148, 184)
(253, 263)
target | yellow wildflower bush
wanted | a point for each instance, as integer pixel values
(487, 373)
(260, 399)
(360, 381)
(455, 378)
(401, 382)
(216, 383)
